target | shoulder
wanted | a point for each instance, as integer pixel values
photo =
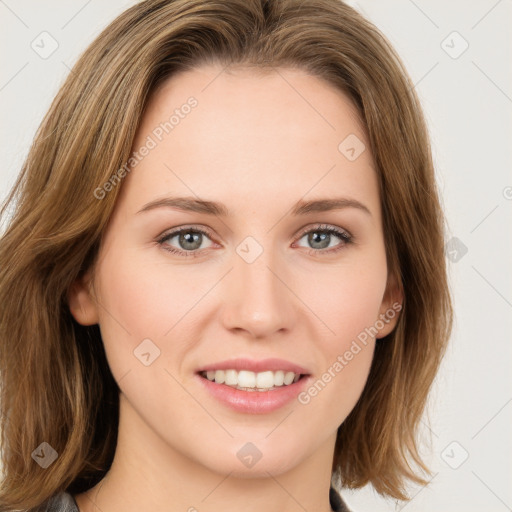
(62, 502)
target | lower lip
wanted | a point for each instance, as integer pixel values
(254, 402)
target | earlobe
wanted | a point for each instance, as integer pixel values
(82, 304)
(390, 310)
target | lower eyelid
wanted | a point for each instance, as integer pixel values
(344, 237)
(344, 240)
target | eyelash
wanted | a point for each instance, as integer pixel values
(343, 235)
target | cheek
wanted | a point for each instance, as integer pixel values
(136, 304)
(333, 394)
(145, 296)
(348, 299)
(346, 356)
(350, 309)
(149, 298)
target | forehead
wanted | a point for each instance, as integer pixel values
(257, 99)
(250, 133)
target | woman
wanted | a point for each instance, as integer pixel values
(223, 284)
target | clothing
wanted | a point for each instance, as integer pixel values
(62, 502)
(65, 502)
(337, 503)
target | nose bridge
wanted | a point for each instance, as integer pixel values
(258, 300)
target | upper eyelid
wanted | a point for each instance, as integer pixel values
(322, 227)
(175, 231)
(300, 233)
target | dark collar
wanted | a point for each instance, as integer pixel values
(336, 501)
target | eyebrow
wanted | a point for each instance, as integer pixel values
(302, 207)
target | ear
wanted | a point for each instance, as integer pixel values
(82, 303)
(389, 312)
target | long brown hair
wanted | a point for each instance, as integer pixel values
(56, 386)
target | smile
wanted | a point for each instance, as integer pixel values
(250, 381)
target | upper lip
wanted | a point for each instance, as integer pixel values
(272, 364)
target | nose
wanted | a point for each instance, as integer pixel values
(258, 297)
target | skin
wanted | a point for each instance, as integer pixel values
(257, 142)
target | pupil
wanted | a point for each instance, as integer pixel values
(190, 238)
(313, 239)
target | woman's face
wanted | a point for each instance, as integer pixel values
(256, 281)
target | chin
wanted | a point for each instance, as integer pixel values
(253, 459)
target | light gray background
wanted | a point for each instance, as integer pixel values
(468, 104)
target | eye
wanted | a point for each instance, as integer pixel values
(320, 238)
(189, 240)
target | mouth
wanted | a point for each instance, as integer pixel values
(249, 392)
(246, 380)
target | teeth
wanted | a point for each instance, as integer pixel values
(251, 381)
